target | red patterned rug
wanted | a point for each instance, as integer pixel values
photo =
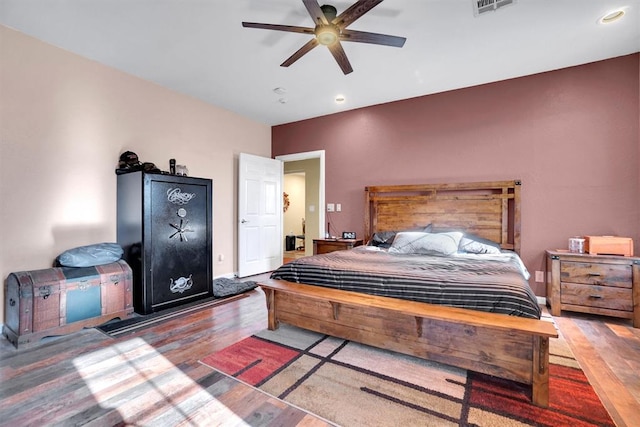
(356, 385)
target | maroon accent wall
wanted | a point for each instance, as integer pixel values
(571, 135)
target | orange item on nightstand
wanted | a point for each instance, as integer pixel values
(608, 245)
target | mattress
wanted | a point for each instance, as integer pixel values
(496, 283)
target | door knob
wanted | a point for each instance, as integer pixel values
(243, 221)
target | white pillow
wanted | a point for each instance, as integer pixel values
(477, 245)
(414, 242)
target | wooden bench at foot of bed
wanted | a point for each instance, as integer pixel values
(504, 346)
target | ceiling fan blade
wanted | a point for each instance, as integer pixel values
(354, 12)
(288, 28)
(316, 13)
(341, 57)
(373, 38)
(300, 52)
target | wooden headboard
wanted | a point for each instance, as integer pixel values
(486, 209)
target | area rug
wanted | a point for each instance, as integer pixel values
(356, 385)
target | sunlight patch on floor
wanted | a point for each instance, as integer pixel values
(146, 387)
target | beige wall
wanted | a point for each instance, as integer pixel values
(64, 120)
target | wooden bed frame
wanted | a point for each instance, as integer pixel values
(508, 347)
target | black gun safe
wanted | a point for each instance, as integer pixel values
(164, 226)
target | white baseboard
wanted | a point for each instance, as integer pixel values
(541, 300)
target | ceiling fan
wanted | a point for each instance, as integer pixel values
(331, 29)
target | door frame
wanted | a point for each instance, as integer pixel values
(318, 154)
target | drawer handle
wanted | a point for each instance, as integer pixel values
(595, 296)
(594, 274)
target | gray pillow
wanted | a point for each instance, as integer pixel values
(90, 255)
(384, 239)
(426, 243)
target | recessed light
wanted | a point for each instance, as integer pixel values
(612, 16)
(340, 99)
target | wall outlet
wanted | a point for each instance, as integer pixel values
(330, 207)
(338, 207)
(539, 276)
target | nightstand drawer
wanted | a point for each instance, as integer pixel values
(613, 275)
(597, 296)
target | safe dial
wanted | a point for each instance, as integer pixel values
(181, 230)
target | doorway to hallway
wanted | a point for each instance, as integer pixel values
(294, 217)
(309, 223)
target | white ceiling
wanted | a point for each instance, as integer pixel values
(199, 47)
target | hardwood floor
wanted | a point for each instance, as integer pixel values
(608, 350)
(149, 377)
(152, 376)
(289, 256)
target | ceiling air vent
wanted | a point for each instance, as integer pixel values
(482, 6)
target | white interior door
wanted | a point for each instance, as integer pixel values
(259, 214)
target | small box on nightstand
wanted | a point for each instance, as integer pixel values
(609, 245)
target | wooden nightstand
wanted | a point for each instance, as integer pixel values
(598, 284)
(323, 246)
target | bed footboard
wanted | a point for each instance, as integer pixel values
(495, 344)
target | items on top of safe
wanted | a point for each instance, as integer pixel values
(129, 162)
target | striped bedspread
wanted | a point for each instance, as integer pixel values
(493, 283)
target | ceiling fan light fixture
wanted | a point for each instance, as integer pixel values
(330, 29)
(327, 34)
(330, 12)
